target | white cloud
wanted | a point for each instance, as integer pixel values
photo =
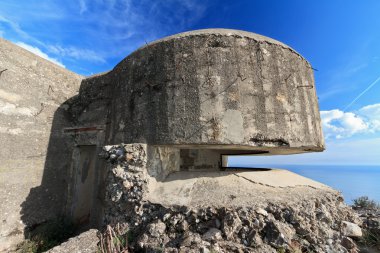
(353, 124)
(37, 51)
(338, 124)
(76, 53)
(371, 111)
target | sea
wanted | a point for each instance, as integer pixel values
(352, 181)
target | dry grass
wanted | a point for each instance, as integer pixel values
(114, 240)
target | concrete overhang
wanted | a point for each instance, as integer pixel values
(214, 89)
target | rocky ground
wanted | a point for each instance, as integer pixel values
(316, 221)
(319, 223)
(215, 240)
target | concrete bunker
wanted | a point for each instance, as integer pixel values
(193, 99)
(169, 113)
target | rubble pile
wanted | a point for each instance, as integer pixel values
(322, 224)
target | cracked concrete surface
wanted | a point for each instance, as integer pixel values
(232, 188)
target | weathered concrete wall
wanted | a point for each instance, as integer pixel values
(198, 159)
(32, 115)
(162, 161)
(92, 107)
(221, 89)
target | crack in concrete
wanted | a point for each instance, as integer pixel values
(281, 187)
(254, 182)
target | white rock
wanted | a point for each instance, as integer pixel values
(166, 217)
(262, 212)
(107, 148)
(350, 229)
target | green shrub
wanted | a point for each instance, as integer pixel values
(365, 202)
(371, 239)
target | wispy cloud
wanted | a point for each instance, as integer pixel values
(57, 50)
(98, 31)
(38, 52)
(372, 114)
(338, 124)
(126, 25)
(344, 78)
(331, 92)
(14, 27)
(75, 53)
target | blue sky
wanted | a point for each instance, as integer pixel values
(339, 38)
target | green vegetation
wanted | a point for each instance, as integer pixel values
(371, 239)
(47, 235)
(365, 202)
(371, 235)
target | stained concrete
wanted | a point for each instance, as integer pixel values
(32, 115)
(210, 89)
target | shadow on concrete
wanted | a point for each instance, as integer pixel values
(47, 201)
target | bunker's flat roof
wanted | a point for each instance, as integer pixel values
(234, 188)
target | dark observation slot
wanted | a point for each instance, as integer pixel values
(214, 159)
